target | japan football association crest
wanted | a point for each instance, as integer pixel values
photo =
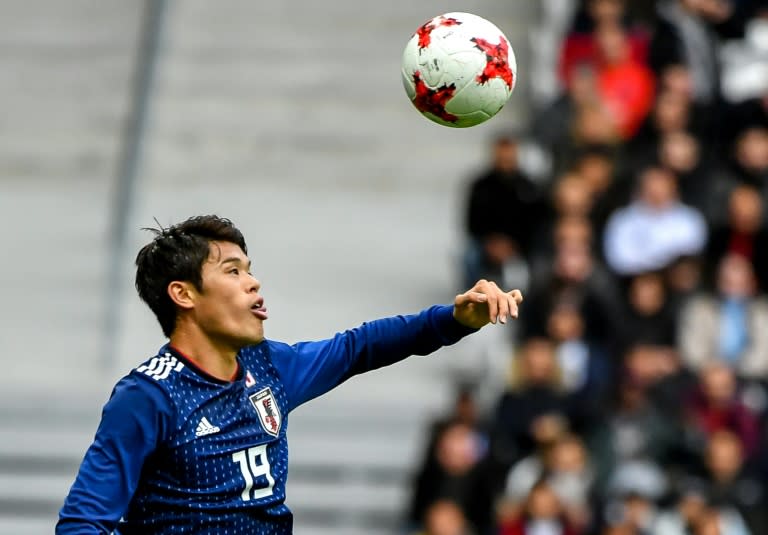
(266, 407)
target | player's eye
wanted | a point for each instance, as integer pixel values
(234, 271)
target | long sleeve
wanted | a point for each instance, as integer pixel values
(133, 422)
(310, 369)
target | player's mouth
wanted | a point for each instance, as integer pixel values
(259, 310)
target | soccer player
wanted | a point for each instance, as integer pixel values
(194, 439)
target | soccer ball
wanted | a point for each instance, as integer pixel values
(458, 69)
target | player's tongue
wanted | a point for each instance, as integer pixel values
(260, 311)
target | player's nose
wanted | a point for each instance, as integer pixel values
(254, 285)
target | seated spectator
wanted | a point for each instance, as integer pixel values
(580, 44)
(715, 406)
(631, 512)
(682, 34)
(649, 318)
(751, 159)
(694, 513)
(455, 471)
(631, 436)
(671, 112)
(593, 124)
(445, 517)
(681, 153)
(542, 514)
(626, 86)
(743, 233)
(565, 467)
(571, 196)
(535, 410)
(597, 167)
(727, 325)
(691, 506)
(654, 229)
(684, 277)
(745, 61)
(552, 127)
(731, 484)
(573, 275)
(586, 370)
(502, 207)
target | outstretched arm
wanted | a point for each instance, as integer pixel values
(309, 369)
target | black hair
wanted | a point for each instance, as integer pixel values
(177, 253)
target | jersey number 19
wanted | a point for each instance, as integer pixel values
(253, 464)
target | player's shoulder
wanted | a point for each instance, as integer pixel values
(163, 367)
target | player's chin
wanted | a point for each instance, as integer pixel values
(254, 335)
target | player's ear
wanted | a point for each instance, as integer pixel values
(182, 293)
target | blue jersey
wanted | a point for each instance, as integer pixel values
(179, 451)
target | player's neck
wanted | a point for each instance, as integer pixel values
(214, 359)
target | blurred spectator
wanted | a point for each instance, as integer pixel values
(454, 471)
(542, 514)
(681, 153)
(625, 86)
(721, 521)
(690, 509)
(728, 325)
(716, 406)
(464, 411)
(585, 368)
(684, 277)
(671, 113)
(552, 127)
(731, 485)
(534, 412)
(575, 276)
(565, 467)
(594, 124)
(503, 205)
(580, 46)
(654, 229)
(745, 61)
(743, 233)
(632, 439)
(445, 517)
(683, 35)
(750, 164)
(649, 317)
(631, 512)
(596, 165)
(571, 196)
(693, 514)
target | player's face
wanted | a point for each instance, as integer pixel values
(230, 309)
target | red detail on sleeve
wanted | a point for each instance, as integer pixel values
(433, 100)
(425, 32)
(497, 61)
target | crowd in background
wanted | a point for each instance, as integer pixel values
(637, 400)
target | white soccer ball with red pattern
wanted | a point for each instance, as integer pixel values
(458, 69)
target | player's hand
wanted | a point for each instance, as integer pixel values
(484, 303)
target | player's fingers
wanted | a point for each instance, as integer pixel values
(470, 297)
(512, 303)
(517, 295)
(493, 304)
(503, 303)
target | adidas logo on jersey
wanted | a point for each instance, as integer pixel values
(205, 428)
